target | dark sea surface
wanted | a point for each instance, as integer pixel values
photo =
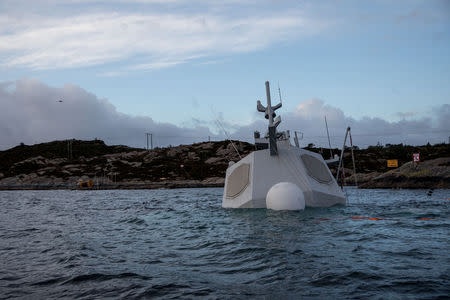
(181, 244)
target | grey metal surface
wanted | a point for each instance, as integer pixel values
(238, 180)
(273, 140)
(316, 169)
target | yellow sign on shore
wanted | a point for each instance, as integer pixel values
(392, 163)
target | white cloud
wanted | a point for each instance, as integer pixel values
(443, 116)
(308, 118)
(32, 113)
(150, 39)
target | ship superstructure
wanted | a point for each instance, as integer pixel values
(279, 175)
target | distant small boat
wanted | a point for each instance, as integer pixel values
(279, 175)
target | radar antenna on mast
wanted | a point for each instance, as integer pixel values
(279, 93)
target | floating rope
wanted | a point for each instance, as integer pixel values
(382, 219)
(373, 219)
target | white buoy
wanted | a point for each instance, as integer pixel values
(285, 196)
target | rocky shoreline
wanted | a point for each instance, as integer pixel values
(44, 166)
(48, 166)
(120, 186)
(432, 174)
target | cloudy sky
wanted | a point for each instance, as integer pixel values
(187, 71)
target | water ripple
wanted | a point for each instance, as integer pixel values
(171, 244)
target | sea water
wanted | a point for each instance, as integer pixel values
(384, 244)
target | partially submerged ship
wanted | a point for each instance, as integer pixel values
(279, 175)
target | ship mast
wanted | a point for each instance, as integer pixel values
(269, 112)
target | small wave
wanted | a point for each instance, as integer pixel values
(31, 229)
(336, 279)
(69, 258)
(202, 245)
(135, 220)
(414, 252)
(151, 262)
(414, 287)
(17, 234)
(430, 225)
(357, 248)
(162, 290)
(244, 269)
(247, 250)
(198, 293)
(7, 248)
(297, 252)
(10, 278)
(47, 250)
(363, 276)
(49, 281)
(103, 277)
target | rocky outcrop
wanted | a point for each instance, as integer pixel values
(373, 172)
(197, 165)
(425, 175)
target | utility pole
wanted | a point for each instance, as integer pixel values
(151, 139)
(328, 134)
(69, 149)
